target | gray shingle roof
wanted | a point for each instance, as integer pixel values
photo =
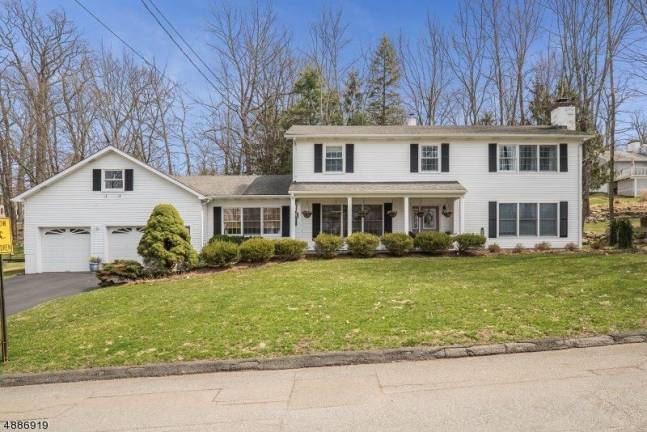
(383, 187)
(221, 185)
(305, 130)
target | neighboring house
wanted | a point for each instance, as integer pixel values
(630, 170)
(516, 185)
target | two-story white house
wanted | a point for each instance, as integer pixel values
(515, 185)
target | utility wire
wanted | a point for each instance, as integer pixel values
(206, 66)
(179, 46)
(131, 48)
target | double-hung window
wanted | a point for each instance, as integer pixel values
(548, 219)
(232, 221)
(527, 158)
(548, 158)
(508, 219)
(527, 219)
(507, 158)
(251, 221)
(271, 220)
(113, 180)
(429, 158)
(334, 158)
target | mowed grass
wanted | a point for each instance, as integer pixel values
(343, 304)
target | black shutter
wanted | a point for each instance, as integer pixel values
(413, 158)
(316, 219)
(492, 219)
(492, 157)
(350, 158)
(563, 218)
(217, 220)
(129, 180)
(285, 221)
(563, 157)
(96, 180)
(318, 155)
(344, 220)
(388, 222)
(444, 157)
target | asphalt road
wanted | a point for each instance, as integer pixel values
(25, 291)
(592, 389)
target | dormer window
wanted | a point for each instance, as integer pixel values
(113, 180)
(334, 158)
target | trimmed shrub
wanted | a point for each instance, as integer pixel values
(119, 272)
(328, 245)
(289, 249)
(571, 247)
(543, 246)
(228, 238)
(518, 248)
(166, 244)
(494, 248)
(256, 249)
(362, 244)
(397, 244)
(432, 241)
(468, 241)
(220, 253)
(625, 234)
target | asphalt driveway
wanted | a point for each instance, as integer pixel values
(25, 291)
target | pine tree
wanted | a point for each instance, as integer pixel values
(383, 100)
(316, 104)
(166, 243)
(353, 101)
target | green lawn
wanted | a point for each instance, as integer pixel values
(600, 227)
(602, 200)
(342, 304)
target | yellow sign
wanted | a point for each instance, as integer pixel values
(6, 245)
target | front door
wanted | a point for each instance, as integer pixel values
(424, 218)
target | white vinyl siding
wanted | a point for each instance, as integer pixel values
(70, 202)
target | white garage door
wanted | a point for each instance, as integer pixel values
(123, 241)
(65, 249)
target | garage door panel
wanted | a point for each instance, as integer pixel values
(65, 249)
(123, 242)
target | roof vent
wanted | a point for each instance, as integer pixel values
(412, 120)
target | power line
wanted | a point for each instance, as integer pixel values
(131, 48)
(182, 38)
(178, 45)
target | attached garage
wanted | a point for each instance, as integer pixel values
(123, 242)
(65, 249)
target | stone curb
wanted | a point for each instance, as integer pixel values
(318, 360)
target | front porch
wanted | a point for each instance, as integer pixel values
(380, 211)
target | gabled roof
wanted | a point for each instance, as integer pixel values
(95, 156)
(297, 131)
(238, 185)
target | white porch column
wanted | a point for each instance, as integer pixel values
(405, 214)
(457, 216)
(349, 214)
(461, 206)
(293, 217)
